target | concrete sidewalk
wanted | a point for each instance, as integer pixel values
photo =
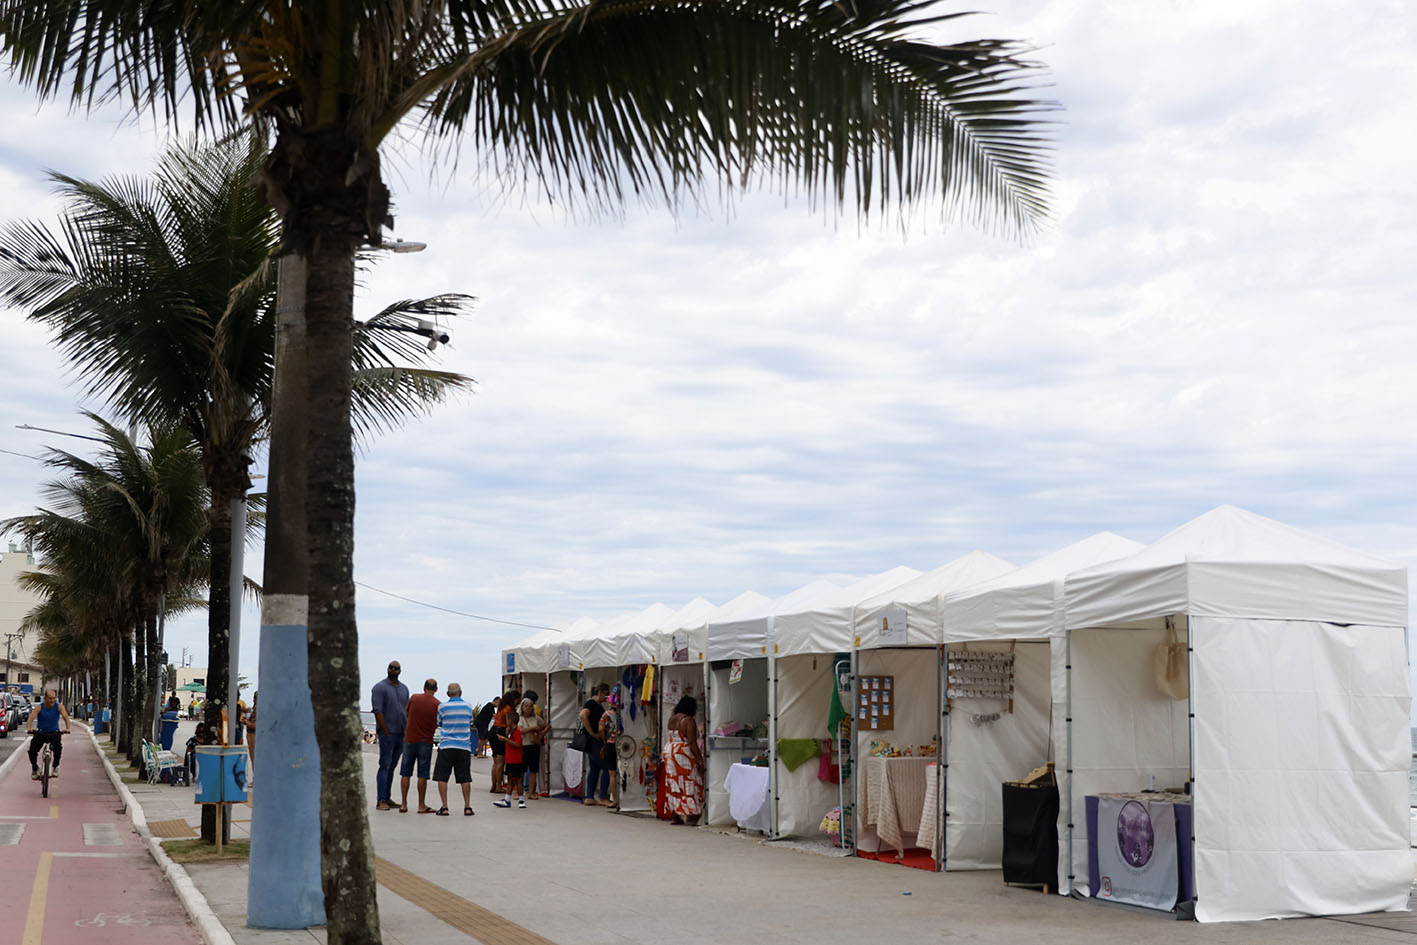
(560, 873)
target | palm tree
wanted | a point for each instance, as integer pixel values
(120, 537)
(162, 293)
(601, 101)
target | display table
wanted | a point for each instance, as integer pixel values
(892, 797)
(747, 787)
(1145, 845)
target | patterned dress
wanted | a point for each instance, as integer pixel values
(683, 782)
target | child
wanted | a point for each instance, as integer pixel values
(512, 771)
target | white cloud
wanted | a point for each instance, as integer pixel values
(754, 397)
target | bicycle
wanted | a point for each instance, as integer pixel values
(46, 761)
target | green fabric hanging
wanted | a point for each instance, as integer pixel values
(796, 752)
(836, 713)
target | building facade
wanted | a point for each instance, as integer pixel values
(18, 672)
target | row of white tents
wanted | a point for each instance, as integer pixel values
(1289, 726)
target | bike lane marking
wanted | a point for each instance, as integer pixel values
(113, 893)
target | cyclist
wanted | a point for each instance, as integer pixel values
(44, 724)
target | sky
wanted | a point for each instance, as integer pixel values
(756, 396)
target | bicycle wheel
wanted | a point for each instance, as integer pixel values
(44, 774)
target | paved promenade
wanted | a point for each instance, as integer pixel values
(560, 873)
(72, 869)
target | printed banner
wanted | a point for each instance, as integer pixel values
(511, 664)
(679, 652)
(1136, 851)
(563, 656)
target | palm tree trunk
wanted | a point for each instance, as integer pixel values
(347, 855)
(125, 683)
(135, 699)
(218, 625)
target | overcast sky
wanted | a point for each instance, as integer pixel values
(1223, 312)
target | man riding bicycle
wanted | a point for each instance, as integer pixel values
(44, 724)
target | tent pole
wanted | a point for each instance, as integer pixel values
(772, 742)
(942, 759)
(1068, 708)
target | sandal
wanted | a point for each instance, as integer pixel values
(429, 810)
(403, 809)
(442, 812)
(468, 811)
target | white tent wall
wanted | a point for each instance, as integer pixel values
(565, 700)
(1302, 758)
(803, 687)
(1123, 730)
(983, 755)
(746, 702)
(915, 695)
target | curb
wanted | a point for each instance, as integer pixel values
(198, 909)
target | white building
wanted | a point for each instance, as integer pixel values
(18, 669)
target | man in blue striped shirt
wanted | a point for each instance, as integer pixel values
(455, 750)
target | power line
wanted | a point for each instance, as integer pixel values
(448, 610)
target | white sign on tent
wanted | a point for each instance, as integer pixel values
(563, 656)
(893, 627)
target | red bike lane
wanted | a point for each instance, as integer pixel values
(73, 867)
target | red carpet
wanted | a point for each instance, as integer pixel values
(915, 857)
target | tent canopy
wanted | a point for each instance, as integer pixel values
(919, 598)
(747, 635)
(693, 632)
(598, 648)
(825, 624)
(1234, 563)
(1026, 603)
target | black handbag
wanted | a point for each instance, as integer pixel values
(581, 740)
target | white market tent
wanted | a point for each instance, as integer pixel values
(801, 680)
(915, 606)
(744, 637)
(1021, 612)
(1299, 749)
(682, 647)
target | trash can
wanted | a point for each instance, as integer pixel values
(102, 722)
(221, 774)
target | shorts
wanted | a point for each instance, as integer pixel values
(421, 752)
(495, 734)
(531, 758)
(454, 761)
(514, 769)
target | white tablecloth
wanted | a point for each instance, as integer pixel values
(927, 836)
(747, 787)
(894, 796)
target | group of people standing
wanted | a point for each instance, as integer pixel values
(516, 728)
(406, 726)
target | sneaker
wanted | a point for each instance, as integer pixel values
(521, 802)
(34, 775)
(504, 802)
(54, 773)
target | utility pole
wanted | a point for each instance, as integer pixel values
(10, 639)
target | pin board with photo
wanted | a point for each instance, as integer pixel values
(875, 704)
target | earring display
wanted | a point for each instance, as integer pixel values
(982, 674)
(875, 707)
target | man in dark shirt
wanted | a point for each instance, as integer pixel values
(484, 718)
(418, 744)
(390, 707)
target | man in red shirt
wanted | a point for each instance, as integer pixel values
(418, 744)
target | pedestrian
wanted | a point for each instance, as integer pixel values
(610, 729)
(533, 727)
(240, 719)
(455, 750)
(418, 744)
(390, 698)
(513, 750)
(498, 733)
(484, 720)
(597, 778)
(251, 733)
(169, 724)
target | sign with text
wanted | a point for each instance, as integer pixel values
(892, 627)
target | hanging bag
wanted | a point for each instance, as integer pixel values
(581, 740)
(1170, 666)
